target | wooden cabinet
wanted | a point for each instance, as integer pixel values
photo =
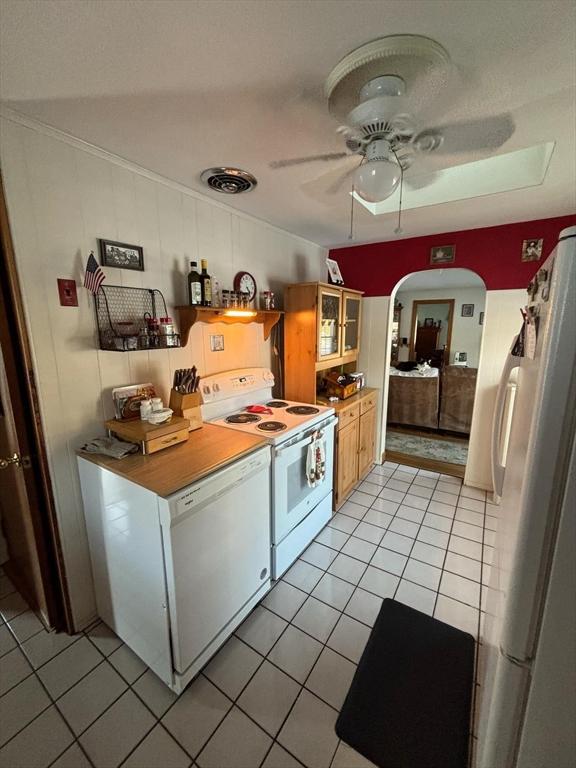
(346, 474)
(355, 442)
(366, 442)
(351, 317)
(321, 331)
(329, 324)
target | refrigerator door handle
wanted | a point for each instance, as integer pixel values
(498, 469)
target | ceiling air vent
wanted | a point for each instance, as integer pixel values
(229, 181)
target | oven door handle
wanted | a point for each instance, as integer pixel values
(309, 440)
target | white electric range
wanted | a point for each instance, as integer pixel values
(299, 511)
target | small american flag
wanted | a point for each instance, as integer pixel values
(94, 276)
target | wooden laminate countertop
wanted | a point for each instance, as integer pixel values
(167, 471)
(342, 404)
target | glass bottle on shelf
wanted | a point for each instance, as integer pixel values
(206, 285)
(194, 285)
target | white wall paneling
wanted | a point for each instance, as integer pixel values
(61, 197)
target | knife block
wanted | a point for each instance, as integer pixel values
(188, 406)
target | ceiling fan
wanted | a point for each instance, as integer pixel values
(384, 93)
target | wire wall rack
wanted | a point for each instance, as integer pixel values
(129, 319)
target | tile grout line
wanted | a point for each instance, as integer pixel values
(158, 719)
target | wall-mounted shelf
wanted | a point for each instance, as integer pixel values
(189, 315)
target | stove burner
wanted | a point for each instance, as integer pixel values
(277, 404)
(271, 426)
(242, 418)
(302, 410)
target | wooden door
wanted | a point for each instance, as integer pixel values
(26, 506)
(351, 320)
(23, 564)
(346, 461)
(366, 442)
(329, 323)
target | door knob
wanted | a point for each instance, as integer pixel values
(14, 459)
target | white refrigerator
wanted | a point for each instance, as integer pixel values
(527, 659)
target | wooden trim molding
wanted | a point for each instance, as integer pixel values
(26, 406)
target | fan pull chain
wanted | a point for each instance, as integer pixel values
(398, 230)
(351, 235)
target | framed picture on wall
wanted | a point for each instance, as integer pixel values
(532, 249)
(481, 318)
(121, 255)
(428, 322)
(467, 310)
(442, 254)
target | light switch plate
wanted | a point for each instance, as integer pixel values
(217, 342)
(67, 292)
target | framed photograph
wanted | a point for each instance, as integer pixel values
(481, 318)
(428, 322)
(532, 249)
(334, 272)
(467, 310)
(442, 254)
(121, 255)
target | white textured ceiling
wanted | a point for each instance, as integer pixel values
(177, 86)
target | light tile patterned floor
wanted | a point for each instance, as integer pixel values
(271, 695)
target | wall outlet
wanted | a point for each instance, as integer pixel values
(67, 292)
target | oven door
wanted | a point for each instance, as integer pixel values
(293, 497)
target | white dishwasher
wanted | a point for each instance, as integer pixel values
(175, 576)
(217, 545)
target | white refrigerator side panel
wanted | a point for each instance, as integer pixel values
(500, 712)
(548, 732)
(128, 563)
(538, 459)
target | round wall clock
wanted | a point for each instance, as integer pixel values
(245, 283)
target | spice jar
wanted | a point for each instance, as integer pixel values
(167, 331)
(153, 331)
(145, 409)
(225, 298)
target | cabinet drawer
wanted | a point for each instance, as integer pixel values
(348, 415)
(157, 443)
(368, 402)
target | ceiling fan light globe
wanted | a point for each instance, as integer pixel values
(376, 180)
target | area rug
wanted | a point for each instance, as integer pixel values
(452, 452)
(409, 702)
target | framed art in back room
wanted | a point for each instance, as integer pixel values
(121, 255)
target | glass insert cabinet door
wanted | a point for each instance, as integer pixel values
(330, 307)
(351, 324)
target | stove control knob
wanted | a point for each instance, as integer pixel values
(216, 388)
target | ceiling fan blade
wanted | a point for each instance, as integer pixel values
(486, 134)
(310, 159)
(336, 186)
(323, 188)
(421, 180)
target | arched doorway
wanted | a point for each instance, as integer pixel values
(436, 324)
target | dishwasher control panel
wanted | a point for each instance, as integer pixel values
(220, 482)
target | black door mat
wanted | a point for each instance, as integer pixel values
(409, 702)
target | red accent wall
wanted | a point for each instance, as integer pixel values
(494, 253)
